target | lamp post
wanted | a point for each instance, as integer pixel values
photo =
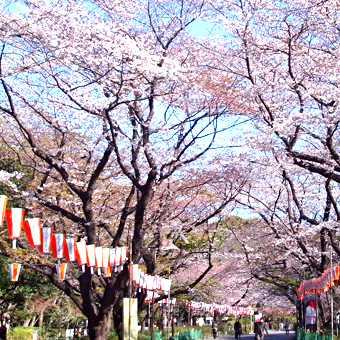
(160, 244)
(331, 295)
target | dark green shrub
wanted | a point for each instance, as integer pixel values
(113, 335)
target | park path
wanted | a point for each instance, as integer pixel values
(273, 335)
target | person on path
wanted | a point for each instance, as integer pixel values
(214, 330)
(260, 328)
(3, 332)
(238, 329)
(287, 326)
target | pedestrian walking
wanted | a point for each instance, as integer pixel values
(214, 330)
(238, 329)
(3, 332)
(260, 328)
(287, 326)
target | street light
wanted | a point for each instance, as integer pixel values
(162, 244)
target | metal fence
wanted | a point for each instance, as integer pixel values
(191, 334)
(302, 335)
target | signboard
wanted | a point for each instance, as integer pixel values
(130, 319)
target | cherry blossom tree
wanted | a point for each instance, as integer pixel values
(283, 58)
(106, 101)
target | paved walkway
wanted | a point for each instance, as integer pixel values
(273, 335)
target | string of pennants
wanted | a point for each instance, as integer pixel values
(207, 307)
(150, 283)
(88, 255)
(328, 278)
(151, 296)
(43, 239)
(222, 309)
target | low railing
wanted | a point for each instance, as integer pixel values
(302, 335)
(190, 334)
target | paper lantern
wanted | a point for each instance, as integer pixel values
(99, 258)
(112, 256)
(145, 281)
(134, 272)
(124, 255)
(149, 282)
(141, 280)
(118, 257)
(33, 231)
(61, 270)
(57, 243)
(69, 249)
(14, 220)
(14, 271)
(46, 236)
(106, 257)
(165, 284)
(91, 256)
(137, 278)
(107, 271)
(3, 204)
(157, 282)
(81, 254)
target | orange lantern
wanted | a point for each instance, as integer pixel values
(46, 236)
(69, 249)
(99, 258)
(14, 271)
(3, 204)
(106, 260)
(33, 231)
(107, 271)
(14, 219)
(57, 243)
(81, 255)
(61, 270)
(91, 256)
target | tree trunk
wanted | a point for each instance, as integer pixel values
(26, 323)
(33, 321)
(142, 324)
(98, 329)
(41, 317)
(118, 319)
